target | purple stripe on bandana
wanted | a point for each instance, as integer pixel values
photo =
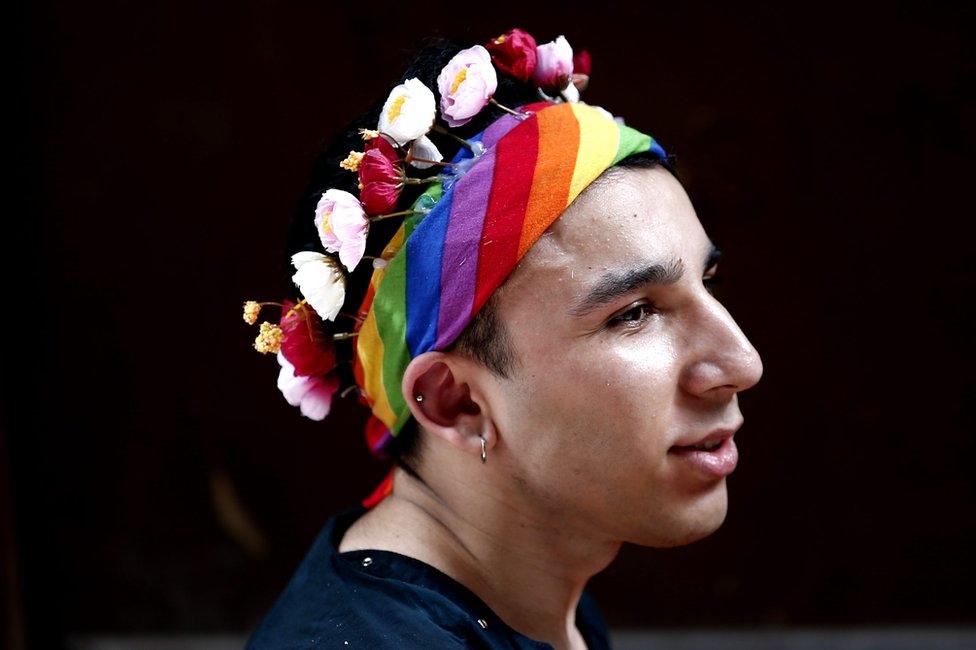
(497, 129)
(459, 263)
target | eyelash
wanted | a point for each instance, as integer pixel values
(711, 281)
(620, 319)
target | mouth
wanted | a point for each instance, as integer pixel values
(713, 456)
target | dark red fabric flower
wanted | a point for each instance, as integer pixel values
(380, 183)
(581, 70)
(380, 177)
(305, 344)
(514, 54)
(581, 62)
(384, 146)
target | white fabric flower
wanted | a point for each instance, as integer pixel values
(321, 282)
(571, 93)
(422, 147)
(409, 111)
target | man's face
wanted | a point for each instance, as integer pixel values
(624, 354)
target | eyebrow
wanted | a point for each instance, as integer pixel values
(617, 283)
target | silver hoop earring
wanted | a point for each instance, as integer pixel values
(484, 450)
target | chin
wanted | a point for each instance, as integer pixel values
(687, 522)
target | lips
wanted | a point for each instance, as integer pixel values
(712, 456)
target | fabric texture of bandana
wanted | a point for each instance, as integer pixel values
(444, 264)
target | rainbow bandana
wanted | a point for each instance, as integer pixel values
(445, 263)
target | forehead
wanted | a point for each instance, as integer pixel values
(627, 217)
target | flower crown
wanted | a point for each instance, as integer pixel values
(303, 343)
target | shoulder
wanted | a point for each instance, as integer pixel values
(367, 619)
(363, 599)
(340, 612)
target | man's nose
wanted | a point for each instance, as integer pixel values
(721, 360)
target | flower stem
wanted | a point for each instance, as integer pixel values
(410, 159)
(348, 390)
(420, 181)
(377, 257)
(440, 129)
(508, 110)
(298, 305)
(344, 335)
(380, 217)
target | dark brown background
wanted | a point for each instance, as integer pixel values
(828, 149)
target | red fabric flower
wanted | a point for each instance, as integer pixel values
(581, 70)
(581, 62)
(514, 54)
(305, 345)
(384, 146)
(380, 177)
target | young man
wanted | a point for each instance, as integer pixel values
(623, 363)
(592, 402)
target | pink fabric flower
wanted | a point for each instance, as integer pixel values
(305, 344)
(313, 395)
(466, 84)
(342, 226)
(554, 66)
(514, 54)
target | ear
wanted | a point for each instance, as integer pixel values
(449, 409)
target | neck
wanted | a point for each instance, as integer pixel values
(529, 567)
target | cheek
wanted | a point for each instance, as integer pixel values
(604, 401)
(635, 375)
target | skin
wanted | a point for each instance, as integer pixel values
(578, 436)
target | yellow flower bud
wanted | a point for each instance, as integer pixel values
(268, 339)
(251, 311)
(352, 161)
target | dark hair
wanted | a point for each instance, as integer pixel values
(484, 339)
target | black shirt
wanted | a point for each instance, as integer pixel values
(380, 599)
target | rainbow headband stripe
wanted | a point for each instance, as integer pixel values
(445, 264)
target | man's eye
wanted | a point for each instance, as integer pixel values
(635, 316)
(710, 282)
(711, 278)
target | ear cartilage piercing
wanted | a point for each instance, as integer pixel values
(419, 398)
